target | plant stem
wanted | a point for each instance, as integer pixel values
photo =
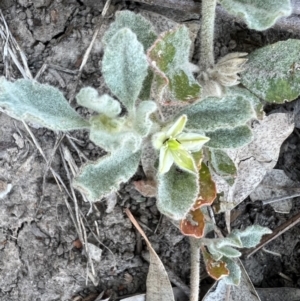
(195, 269)
(208, 12)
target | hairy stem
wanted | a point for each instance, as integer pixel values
(208, 12)
(195, 269)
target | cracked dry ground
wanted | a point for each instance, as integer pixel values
(40, 258)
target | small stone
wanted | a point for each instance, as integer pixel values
(5, 4)
(19, 140)
(41, 285)
(22, 16)
(70, 238)
(223, 51)
(5, 188)
(60, 250)
(30, 22)
(41, 3)
(153, 210)
(144, 220)
(150, 202)
(232, 44)
(28, 13)
(77, 244)
(115, 217)
(90, 146)
(24, 3)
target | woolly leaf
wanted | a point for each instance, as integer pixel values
(142, 121)
(124, 67)
(215, 269)
(251, 236)
(223, 165)
(208, 190)
(138, 24)
(234, 277)
(214, 252)
(273, 72)
(224, 247)
(231, 240)
(112, 133)
(169, 58)
(258, 14)
(38, 103)
(193, 224)
(212, 113)
(88, 97)
(229, 252)
(255, 102)
(177, 192)
(104, 176)
(145, 93)
(230, 137)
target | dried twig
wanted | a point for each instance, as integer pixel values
(271, 252)
(280, 198)
(89, 49)
(13, 50)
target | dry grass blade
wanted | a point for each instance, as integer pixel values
(89, 49)
(77, 225)
(92, 275)
(279, 199)
(68, 157)
(158, 284)
(79, 152)
(277, 190)
(11, 49)
(97, 239)
(12, 52)
(279, 293)
(276, 232)
(41, 152)
(78, 222)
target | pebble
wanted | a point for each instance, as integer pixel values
(128, 256)
(41, 285)
(232, 44)
(22, 16)
(60, 250)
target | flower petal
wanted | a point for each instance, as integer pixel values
(177, 127)
(192, 141)
(184, 159)
(158, 139)
(165, 160)
(173, 144)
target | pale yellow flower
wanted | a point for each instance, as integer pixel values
(175, 146)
